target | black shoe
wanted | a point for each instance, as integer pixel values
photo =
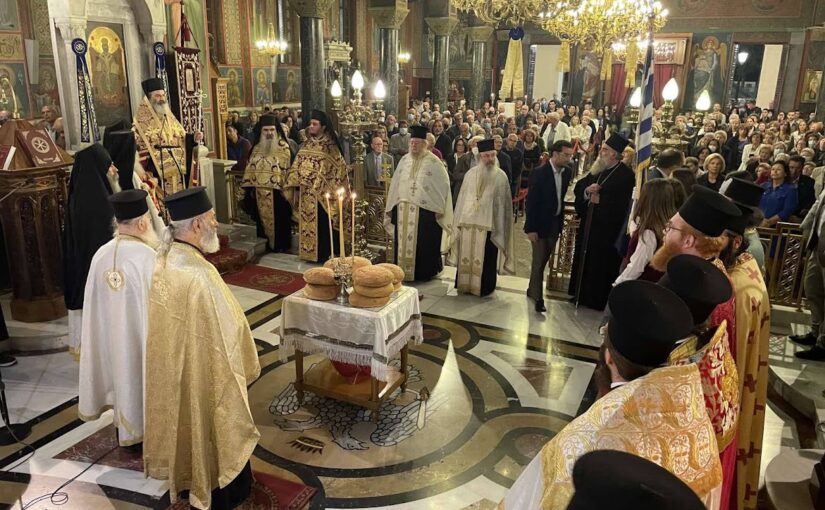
(816, 353)
(7, 360)
(807, 340)
(540, 308)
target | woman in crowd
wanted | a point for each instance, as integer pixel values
(532, 155)
(714, 172)
(750, 150)
(801, 132)
(780, 197)
(655, 207)
(702, 156)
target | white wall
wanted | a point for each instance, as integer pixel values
(546, 79)
(769, 77)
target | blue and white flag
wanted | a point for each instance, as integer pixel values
(644, 135)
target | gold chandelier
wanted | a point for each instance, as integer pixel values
(512, 13)
(598, 24)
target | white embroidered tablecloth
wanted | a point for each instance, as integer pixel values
(359, 336)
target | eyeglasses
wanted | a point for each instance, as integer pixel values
(669, 226)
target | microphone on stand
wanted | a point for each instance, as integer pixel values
(10, 433)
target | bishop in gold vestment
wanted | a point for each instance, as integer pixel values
(659, 416)
(265, 177)
(319, 168)
(154, 124)
(200, 356)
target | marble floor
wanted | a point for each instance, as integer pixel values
(501, 379)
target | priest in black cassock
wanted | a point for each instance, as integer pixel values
(602, 201)
(419, 211)
(88, 226)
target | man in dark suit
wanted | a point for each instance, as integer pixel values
(503, 159)
(804, 186)
(516, 155)
(545, 206)
(443, 142)
(374, 162)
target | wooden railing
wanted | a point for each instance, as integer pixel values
(784, 263)
(784, 248)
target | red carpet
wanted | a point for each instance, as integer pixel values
(269, 492)
(266, 279)
(227, 259)
(98, 444)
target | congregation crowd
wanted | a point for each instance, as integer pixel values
(672, 256)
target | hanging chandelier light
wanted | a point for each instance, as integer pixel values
(599, 24)
(510, 13)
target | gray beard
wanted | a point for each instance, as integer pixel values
(209, 241)
(161, 108)
(267, 147)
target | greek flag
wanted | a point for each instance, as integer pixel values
(644, 135)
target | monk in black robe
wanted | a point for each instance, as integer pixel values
(88, 226)
(606, 196)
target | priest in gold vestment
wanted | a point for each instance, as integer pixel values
(200, 357)
(155, 125)
(419, 210)
(753, 330)
(319, 168)
(264, 178)
(655, 413)
(483, 226)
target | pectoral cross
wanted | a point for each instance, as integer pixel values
(385, 172)
(414, 187)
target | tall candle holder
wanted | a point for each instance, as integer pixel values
(343, 277)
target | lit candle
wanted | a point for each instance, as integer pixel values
(329, 219)
(341, 231)
(353, 227)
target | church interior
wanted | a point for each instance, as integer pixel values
(428, 320)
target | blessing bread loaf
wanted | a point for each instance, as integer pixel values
(372, 276)
(319, 276)
(376, 292)
(321, 292)
(359, 301)
(397, 272)
(357, 262)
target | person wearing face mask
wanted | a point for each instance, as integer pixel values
(400, 142)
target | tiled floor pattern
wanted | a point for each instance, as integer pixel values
(501, 379)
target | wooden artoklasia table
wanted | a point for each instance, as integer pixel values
(368, 337)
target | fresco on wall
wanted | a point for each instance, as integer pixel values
(289, 85)
(8, 15)
(262, 86)
(461, 47)
(46, 93)
(709, 63)
(107, 67)
(15, 73)
(734, 8)
(235, 86)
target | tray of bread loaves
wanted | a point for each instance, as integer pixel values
(372, 285)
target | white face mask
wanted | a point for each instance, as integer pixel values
(403, 130)
(475, 151)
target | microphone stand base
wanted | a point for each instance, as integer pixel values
(20, 430)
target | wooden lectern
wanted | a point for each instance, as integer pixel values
(31, 211)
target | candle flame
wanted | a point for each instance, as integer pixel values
(353, 196)
(327, 195)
